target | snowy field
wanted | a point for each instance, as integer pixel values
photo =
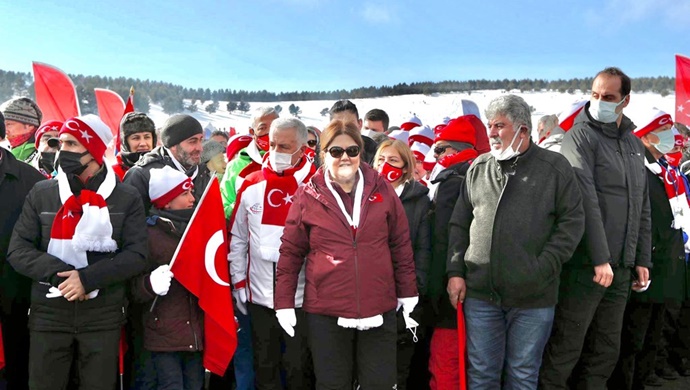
(431, 109)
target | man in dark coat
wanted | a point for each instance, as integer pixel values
(16, 180)
(80, 238)
(609, 164)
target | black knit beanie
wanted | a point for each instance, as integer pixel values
(178, 128)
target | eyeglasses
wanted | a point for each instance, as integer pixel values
(337, 151)
(441, 149)
(311, 143)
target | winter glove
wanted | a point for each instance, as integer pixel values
(407, 304)
(287, 320)
(160, 279)
(54, 292)
(240, 295)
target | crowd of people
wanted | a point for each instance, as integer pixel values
(363, 255)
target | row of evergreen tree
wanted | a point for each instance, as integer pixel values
(171, 96)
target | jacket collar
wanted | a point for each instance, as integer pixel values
(611, 130)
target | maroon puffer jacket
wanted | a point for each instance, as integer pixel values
(346, 277)
(176, 322)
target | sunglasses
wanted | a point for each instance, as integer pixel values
(441, 149)
(311, 143)
(337, 151)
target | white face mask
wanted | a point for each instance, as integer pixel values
(666, 141)
(509, 152)
(281, 161)
(604, 112)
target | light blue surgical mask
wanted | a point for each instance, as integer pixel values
(604, 112)
(666, 141)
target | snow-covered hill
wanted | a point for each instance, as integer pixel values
(431, 109)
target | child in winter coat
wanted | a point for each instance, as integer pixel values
(173, 327)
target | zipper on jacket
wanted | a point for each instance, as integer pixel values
(494, 293)
(354, 245)
(191, 326)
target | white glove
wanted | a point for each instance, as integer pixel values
(55, 292)
(287, 320)
(408, 304)
(160, 279)
(240, 295)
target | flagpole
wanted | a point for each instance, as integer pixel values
(179, 244)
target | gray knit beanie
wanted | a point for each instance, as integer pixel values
(23, 110)
(178, 128)
(211, 148)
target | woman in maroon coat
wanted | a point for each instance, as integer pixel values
(350, 228)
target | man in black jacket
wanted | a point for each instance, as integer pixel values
(518, 218)
(16, 180)
(80, 238)
(609, 164)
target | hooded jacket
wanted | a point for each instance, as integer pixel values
(107, 272)
(140, 174)
(609, 166)
(350, 275)
(248, 160)
(514, 225)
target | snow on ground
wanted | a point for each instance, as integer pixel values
(431, 109)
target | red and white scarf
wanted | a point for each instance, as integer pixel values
(280, 189)
(82, 224)
(676, 190)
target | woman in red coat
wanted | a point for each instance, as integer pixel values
(349, 227)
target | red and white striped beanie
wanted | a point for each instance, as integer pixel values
(91, 132)
(166, 184)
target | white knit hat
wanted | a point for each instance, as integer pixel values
(166, 184)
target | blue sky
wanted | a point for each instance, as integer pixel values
(285, 45)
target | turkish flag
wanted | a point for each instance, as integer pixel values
(110, 108)
(55, 93)
(198, 263)
(566, 119)
(683, 90)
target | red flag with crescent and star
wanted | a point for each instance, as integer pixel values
(683, 90)
(200, 264)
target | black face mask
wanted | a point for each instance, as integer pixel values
(70, 162)
(47, 161)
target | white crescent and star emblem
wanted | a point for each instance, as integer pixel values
(85, 135)
(187, 185)
(664, 121)
(210, 257)
(286, 199)
(391, 176)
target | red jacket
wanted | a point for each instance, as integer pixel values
(346, 277)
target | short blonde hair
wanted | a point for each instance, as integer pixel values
(405, 154)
